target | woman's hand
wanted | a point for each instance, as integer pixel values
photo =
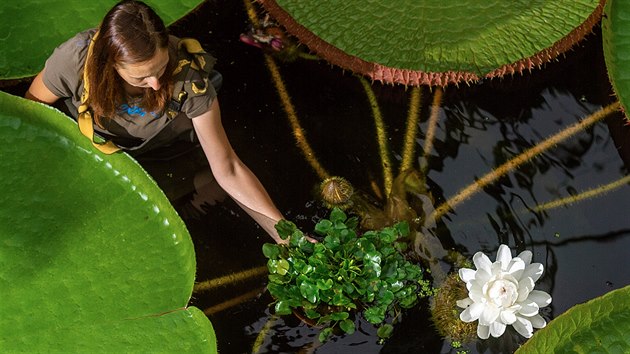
(310, 239)
(286, 242)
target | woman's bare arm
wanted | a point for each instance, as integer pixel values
(39, 92)
(232, 174)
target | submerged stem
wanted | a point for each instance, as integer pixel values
(590, 193)
(298, 131)
(428, 140)
(381, 136)
(262, 335)
(251, 12)
(233, 302)
(230, 278)
(412, 129)
(285, 99)
(525, 156)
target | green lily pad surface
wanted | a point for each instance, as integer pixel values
(30, 30)
(616, 34)
(598, 326)
(408, 40)
(93, 257)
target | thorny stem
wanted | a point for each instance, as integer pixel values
(260, 338)
(298, 131)
(524, 157)
(381, 136)
(285, 99)
(412, 129)
(430, 136)
(590, 193)
(230, 278)
(233, 302)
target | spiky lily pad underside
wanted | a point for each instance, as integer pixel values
(434, 42)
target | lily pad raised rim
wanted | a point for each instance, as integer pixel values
(407, 77)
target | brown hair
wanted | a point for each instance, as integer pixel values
(131, 32)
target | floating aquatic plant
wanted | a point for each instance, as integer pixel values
(328, 282)
(502, 293)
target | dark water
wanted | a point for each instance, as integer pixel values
(584, 246)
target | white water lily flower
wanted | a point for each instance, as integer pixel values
(502, 293)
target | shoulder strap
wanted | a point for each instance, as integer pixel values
(84, 119)
(198, 60)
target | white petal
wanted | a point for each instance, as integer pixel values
(472, 312)
(526, 256)
(516, 267)
(509, 277)
(528, 309)
(504, 255)
(497, 329)
(483, 331)
(476, 294)
(466, 274)
(537, 321)
(540, 297)
(514, 308)
(482, 276)
(523, 326)
(525, 286)
(463, 303)
(490, 314)
(507, 317)
(497, 268)
(482, 261)
(534, 271)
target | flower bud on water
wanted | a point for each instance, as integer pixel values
(337, 192)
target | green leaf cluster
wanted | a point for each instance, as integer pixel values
(328, 281)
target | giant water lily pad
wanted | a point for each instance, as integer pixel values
(598, 326)
(93, 257)
(30, 30)
(616, 34)
(433, 41)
